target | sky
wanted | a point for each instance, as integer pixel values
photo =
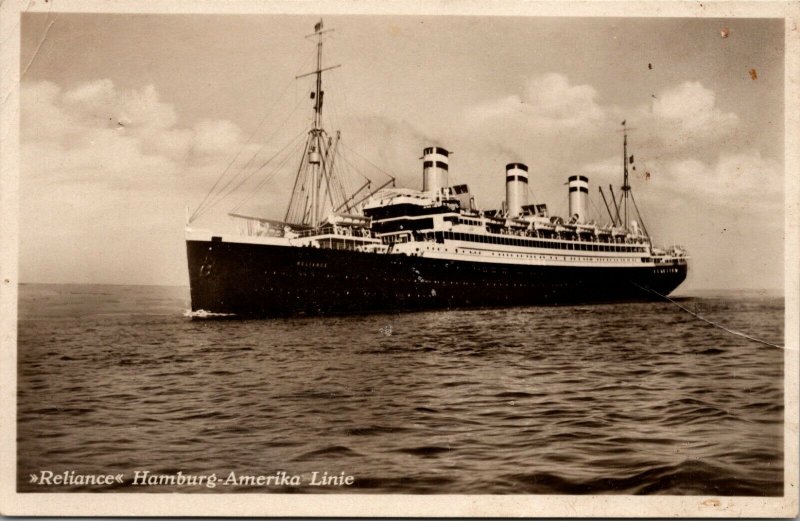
(127, 120)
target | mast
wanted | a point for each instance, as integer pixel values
(312, 170)
(314, 157)
(625, 186)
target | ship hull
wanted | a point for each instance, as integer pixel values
(254, 280)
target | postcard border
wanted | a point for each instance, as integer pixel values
(116, 504)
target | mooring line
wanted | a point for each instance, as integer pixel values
(720, 326)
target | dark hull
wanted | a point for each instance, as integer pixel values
(250, 280)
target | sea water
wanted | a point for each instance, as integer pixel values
(627, 398)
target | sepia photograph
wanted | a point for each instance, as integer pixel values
(329, 259)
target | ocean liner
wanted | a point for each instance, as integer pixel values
(363, 250)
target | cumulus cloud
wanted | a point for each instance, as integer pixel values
(552, 124)
(98, 132)
(94, 149)
(731, 179)
(103, 168)
(214, 137)
(552, 113)
(548, 100)
(692, 109)
(734, 179)
(684, 119)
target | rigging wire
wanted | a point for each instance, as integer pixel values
(715, 324)
(335, 177)
(221, 194)
(272, 173)
(597, 212)
(198, 211)
(251, 174)
(346, 164)
(384, 172)
(304, 172)
(262, 147)
(349, 108)
(335, 121)
(345, 173)
(344, 181)
(352, 166)
(641, 220)
(531, 195)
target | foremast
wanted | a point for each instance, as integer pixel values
(309, 195)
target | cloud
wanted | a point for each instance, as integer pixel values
(551, 124)
(103, 168)
(547, 101)
(214, 137)
(683, 119)
(99, 103)
(735, 179)
(732, 179)
(552, 119)
(557, 127)
(96, 132)
(691, 109)
(100, 163)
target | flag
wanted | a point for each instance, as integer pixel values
(318, 27)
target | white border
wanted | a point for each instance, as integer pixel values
(116, 504)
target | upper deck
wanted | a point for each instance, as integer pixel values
(413, 223)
